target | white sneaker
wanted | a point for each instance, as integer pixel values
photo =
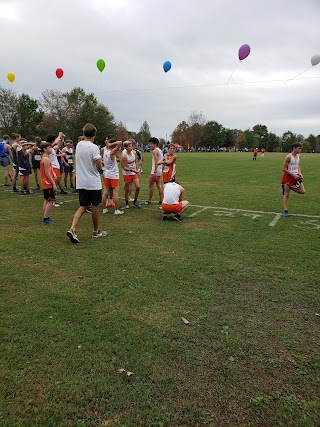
(105, 210)
(131, 199)
(118, 212)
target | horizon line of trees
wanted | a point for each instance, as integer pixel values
(69, 111)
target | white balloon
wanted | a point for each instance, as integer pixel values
(315, 59)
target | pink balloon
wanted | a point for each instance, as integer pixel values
(59, 73)
(244, 51)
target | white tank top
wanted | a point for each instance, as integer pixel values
(294, 163)
(54, 159)
(111, 169)
(171, 193)
(131, 162)
(159, 168)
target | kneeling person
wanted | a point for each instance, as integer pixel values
(173, 201)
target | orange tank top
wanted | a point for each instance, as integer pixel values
(44, 180)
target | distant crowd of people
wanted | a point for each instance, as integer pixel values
(53, 164)
(54, 159)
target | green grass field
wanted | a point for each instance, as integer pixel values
(72, 316)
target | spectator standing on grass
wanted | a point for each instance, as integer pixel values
(111, 174)
(255, 153)
(48, 182)
(292, 176)
(35, 158)
(156, 171)
(23, 157)
(15, 145)
(5, 155)
(262, 153)
(173, 201)
(169, 165)
(68, 152)
(130, 173)
(89, 169)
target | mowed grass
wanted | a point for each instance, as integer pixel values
(72, 316)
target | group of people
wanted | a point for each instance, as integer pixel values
(56, 156)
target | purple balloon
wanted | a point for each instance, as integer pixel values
(244, 51)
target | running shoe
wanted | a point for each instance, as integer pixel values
(48, 221)
(146, 202)
(63, 192)
(118, 212)
(105, 210)
(6, 185)
(131, 199)
(72, 236)
(99, 233)
(285, 213)
(136, 204)
(177, 217)
(164, 217)
(89, 209)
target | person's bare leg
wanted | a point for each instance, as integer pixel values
(95, 217)
(160, 189)
(77, 217)
(185, 205)
(286, 197)
(47, 208)
(116, 197)
(151, 188)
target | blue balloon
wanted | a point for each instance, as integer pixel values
(167, 66)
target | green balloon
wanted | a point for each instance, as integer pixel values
(101, 65)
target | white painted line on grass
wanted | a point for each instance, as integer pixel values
(275, 220)
(197, 212)
(250, 211)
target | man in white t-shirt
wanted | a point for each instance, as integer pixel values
(89, 169)
(173, 201)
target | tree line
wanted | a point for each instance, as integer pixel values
(68, 111)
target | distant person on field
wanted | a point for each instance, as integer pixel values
(35, 158)
(48, 182)
(173, 202)
(15, 145)
(111, 174)
(292, 176)
(5, 156)
(89, 169)
(130, 173)
(23, 157)
(255, 153)
(169, 165)
(262, 153)
(156, 171)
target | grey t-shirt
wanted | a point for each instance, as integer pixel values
(87, 176)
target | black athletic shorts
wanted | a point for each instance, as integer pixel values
(35, 164)
(89, 197)
(48, 194)
(68, 169)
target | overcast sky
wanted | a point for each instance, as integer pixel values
(200, 38)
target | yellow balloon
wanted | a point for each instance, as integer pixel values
(11, 77)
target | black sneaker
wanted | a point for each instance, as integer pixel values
(89, 209)
(72, 236)
(6, 185)
(63, 192)
(177, 217)
(136, 204)
(164, 217)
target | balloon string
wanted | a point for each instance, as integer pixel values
(297, 75)
(232, 72)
